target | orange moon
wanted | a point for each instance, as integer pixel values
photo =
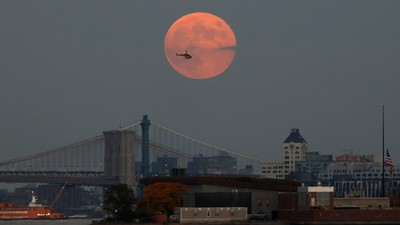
(207, 38)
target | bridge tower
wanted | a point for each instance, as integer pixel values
(119, 156)
(145, 124)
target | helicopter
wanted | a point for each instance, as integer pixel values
(185, 56)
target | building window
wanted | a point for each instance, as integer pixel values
(286, 157)
(297, 152)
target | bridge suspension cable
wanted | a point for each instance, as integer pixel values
(131, 125)
(205, 143)
(56, 150)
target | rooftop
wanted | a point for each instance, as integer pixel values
(239, 182)
(295, 137)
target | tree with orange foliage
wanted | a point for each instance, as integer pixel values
(162, 197)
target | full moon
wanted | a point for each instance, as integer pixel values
(208, 41)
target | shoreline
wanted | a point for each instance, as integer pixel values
(274, 222)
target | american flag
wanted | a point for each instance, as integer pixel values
(389, 161)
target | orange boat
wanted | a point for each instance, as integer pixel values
(34, 210)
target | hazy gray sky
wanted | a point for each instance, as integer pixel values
(72, 69)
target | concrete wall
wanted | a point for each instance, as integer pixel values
(362, 202)
(348, 216)
(220, 214)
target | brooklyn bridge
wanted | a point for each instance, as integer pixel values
(124, 155)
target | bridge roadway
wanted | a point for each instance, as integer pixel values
(76, 177)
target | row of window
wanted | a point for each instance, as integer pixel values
(375, 175)
(296, 157)
(297, 147)
(314, 164)
(276, 171)
(296, 152)
(359, 171)
(274, 167)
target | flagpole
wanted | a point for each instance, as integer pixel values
(383, 151)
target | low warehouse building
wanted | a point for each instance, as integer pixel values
(258, 196)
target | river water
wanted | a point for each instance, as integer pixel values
(47, 222)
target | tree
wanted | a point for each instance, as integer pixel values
(162, 197)
(118, 202)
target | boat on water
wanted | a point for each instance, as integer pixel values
(34, 210)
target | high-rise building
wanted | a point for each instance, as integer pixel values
(294, 149)
(315, 163)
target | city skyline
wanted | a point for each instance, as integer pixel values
(71, 70)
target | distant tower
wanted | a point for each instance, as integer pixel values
(145, 124)
(294, 149)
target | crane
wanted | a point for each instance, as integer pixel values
(58, 195)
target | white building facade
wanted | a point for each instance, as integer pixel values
(294, 149)
(274, 170)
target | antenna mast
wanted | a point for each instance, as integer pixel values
(383, 151)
